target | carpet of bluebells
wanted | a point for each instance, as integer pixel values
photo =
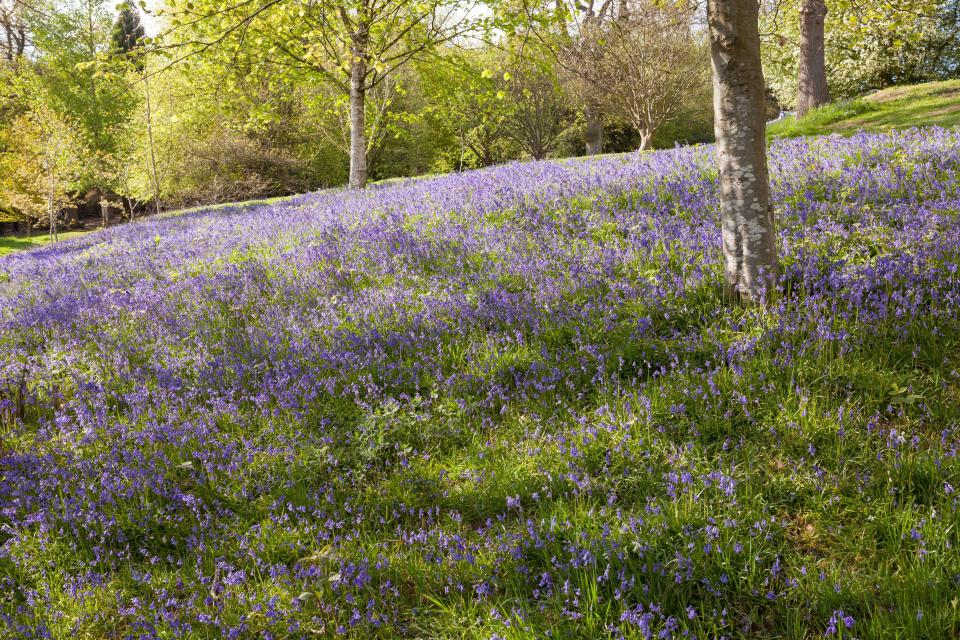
(510, 403)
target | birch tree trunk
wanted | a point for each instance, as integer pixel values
(645, 137)
(358, 139)
(153, 156)
(594, 130)
(812, 89)
(749, 239)
(51, 197)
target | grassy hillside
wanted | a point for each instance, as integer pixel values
(931, 104)
(512, 403)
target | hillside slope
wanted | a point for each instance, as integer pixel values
(930, 104)
(510, 403)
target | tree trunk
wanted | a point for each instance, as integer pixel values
(104, 209)
(812, 89)
(749, 239)
(358, 139)
(51, 198)
(645, 137)
(153, 157)
(8, 28)
(594, 132)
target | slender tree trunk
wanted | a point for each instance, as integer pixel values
(104, 209)
(8, 27)
(358, 139)
(51, 197)
(812, 89)
(749, 239)
(153, 155)
(594, 132)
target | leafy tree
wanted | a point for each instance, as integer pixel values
(354, 45)
(35, 173)
(227, 130)
(84, 87)
(650, 67)
(539, 112)
(128, 47)
(128, 33)
(815, 49)
(467, 103)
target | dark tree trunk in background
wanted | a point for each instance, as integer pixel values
(749, 240)
(358, 139)
(594, 132)
(812, 89)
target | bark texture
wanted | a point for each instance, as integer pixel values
(749, 240)
(153, 156)
(645, 137)
(812, 89)
(51, 199)
(594, 130)
(358, 139)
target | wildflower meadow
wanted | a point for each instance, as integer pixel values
(497, 404)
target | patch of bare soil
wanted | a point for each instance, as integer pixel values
(944, 111)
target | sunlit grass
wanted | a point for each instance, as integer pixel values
(9, 244)
(930, 104)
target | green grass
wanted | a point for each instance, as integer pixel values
(9, 244)
(932, 103)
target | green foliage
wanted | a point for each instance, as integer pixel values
(128, 33)
(466, 109)
(85, 86)
(39, 160)
(868, 45)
